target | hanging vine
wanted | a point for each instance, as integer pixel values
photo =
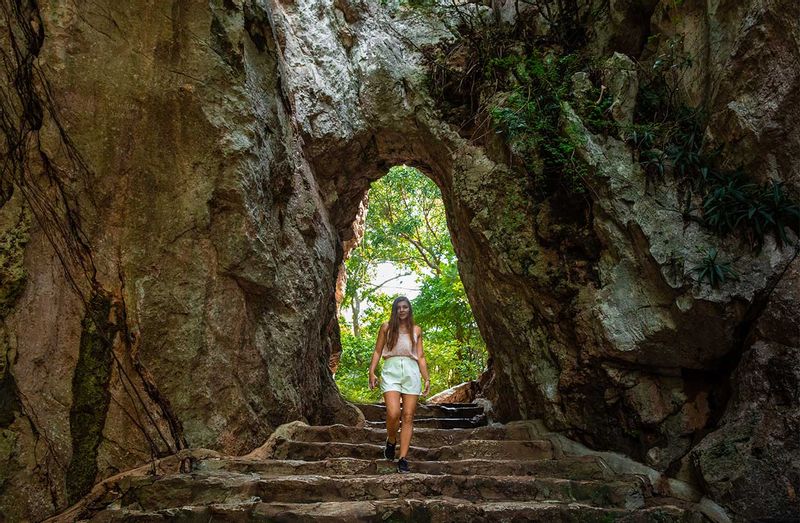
(51, 192)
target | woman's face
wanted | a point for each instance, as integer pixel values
(402, 310)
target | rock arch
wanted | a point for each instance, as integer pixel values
(225, 173)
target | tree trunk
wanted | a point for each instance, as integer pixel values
(355, 308)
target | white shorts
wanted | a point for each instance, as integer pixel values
(401, 374)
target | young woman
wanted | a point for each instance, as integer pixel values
(400, 344)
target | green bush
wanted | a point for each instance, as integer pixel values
(352, 375)
(454, 348)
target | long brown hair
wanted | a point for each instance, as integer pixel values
(394, 322)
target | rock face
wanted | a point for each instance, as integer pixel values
(184, 182)
(755, 452)
(746, 70)
(194, 209)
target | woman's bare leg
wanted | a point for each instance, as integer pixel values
(392, 399)
(409, 407)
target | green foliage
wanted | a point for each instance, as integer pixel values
(442, 304)
(595, 110)
(658, 99)
(670, 135)
(351, 376)
(641, 136)
(456, 351)
(713, 271)
(406, 225)
(446, 365)
(735, 203)
(406, 222)
(666, 132)
(12, 270)
(654, 163)
(530, 115)
(506, 71)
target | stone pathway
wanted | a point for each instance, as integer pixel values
(462, 470)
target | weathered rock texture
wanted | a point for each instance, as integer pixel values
(461, 393)
(755, 452)
(204, 164)
(330, 473)
(203, 221)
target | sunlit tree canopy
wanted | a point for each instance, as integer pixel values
(407, 227)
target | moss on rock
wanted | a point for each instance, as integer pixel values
(13, 238)
(90, 394)
(12, 271)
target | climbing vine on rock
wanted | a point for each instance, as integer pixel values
(90, 395)
(49, 189)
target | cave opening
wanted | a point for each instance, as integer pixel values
(402, 246)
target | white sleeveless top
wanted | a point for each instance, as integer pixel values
(403, 347)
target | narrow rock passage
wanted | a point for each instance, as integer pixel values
(336, 473)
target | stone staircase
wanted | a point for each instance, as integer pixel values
(462, 470)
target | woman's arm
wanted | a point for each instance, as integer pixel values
(423, 365)
(376, 356)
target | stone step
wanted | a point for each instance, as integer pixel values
(148, 493)
(377, 411)
(423, 437)
(433, 510)
(439, 423)
(486, 449)
(566, 467)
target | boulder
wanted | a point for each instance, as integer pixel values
(461, 393)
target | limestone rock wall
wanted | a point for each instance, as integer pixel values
(746, 69)
(180, 166)
(205, 164)
(642, 357)
(750, 78)
(751, 461)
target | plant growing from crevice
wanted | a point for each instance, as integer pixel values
(518, 80)
(465, 74)
(669, 135)
(514, 77)
(713, 271)
(530, 119)
(734, 203)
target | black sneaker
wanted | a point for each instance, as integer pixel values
(402, 466)
(388, 451)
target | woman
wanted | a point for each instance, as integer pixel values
(400, 344)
